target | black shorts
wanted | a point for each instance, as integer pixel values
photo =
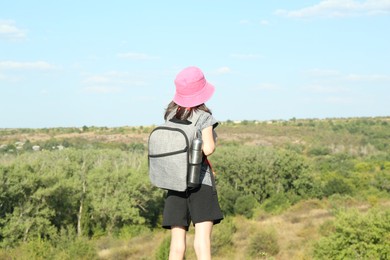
(196, 205)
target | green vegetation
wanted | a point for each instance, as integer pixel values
(299, 188)
(263, 244)
(357, 236)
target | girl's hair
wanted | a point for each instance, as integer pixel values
(183, 113)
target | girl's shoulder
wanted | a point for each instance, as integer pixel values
(206, 119)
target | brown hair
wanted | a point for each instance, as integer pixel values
(183, 113)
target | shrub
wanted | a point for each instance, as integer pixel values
(277, 203)
(364, 167)
(318, 151)
(382, 181)
(34, 249)
(340, 203)
(264, 243)
(81, 248)
(244, 205)
(327, 228)
(337, 185)
(131, 231)
(163, 249)
(71, 246)
(340, 162)
(227, 199)
(222, 236)
(357, 236)
(260, 171)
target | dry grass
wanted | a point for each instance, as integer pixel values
(141, 247)
(296, 230)
(90, 136)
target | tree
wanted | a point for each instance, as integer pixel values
(258, 171)
(357, 236)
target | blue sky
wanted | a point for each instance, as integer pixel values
(112, 63)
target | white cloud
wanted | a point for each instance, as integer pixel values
(35, 65)
(264, 22)
(111, 82)
(9, 31)
(96, 79)
(321, 89)
(245, 56)
(10, 78)
(373, 77)
(340, 8)
(137, 56)
(224, 70)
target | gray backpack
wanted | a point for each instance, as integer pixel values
(168, 152)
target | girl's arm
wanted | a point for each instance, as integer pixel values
(208, 140)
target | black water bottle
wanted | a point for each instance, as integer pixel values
(195, 163)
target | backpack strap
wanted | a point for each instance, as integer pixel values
(196, 117)
(193, 120)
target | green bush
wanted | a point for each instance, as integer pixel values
(163, 249)
(222, 236)
(364, 167)
(38, 249)
(244, 205)
(130, 231)
(257, 171)
(81, 248)
(357, 236)
(382, 181)
(318, 151)
(277, 203)
(263, 243)
(337, 185)
(227, 198)
(340, 162)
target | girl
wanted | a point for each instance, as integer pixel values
(199, 205)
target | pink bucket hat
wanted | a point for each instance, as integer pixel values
(192, 89)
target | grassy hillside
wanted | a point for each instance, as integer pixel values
(337, 133)
(297, 189)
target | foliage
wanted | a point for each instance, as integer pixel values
(382, 181)
(277, 203)
(337, 185)
(244, 205)
(82, 184)
(340, 162)
(357, 236)
(263, 243)
(130, 231)
(40, 249)
(90, 190)
(227, 197)
(163, 249)
(258, 172)
(316, 151)
(222, 236)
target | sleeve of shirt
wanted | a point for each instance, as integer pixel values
(208, 120)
